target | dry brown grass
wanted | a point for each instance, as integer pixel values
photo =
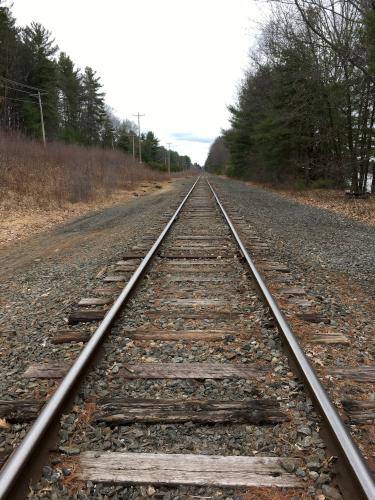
(34, 176)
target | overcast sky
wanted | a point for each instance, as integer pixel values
(176, 61)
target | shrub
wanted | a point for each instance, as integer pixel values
(60, 173)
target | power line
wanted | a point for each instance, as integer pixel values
(39, 94)
(23, 85)
(6, 86)
(2, 98)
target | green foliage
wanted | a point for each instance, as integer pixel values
(42, 73)
(70, 94)
(305, 110)
(150, 145)
(93, 116)
(370, 24)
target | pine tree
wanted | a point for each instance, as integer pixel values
(42, 73)
(150, 146)
(70, 94)
(11, 68)
(92, 108)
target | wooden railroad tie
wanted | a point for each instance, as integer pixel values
(47, 370)
(196, 315)
(122, 411)
(68, 336)
(330, 338)
(179, 335)
(86, 315)
(360, 412)
(313, 318)
(20, 410)
(176, 469)
(362, 373)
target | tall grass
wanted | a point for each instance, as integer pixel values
(61, 173)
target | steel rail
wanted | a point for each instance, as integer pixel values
(354, 472)
(14, 472)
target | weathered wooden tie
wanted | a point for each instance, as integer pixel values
(86, 315)
(175, 469)
(363, 373)
(115, 278)
(20, 410)
(360, 412)
(314, 318)
(330, 338)
(121, 411)
(47, 370)
(179, 335)
(195, 315)
(95, 301)
(67, 336)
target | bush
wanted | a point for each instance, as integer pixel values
(60, 173)
(323, 183)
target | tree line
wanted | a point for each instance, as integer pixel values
(305, 109)
(73, 101)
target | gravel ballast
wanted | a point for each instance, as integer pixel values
(45, 276)
(313, 237)
(39, 298)
(332, 258)
(255, 342)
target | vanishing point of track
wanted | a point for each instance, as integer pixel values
(196, 248)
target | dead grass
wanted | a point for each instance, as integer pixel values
(38, 177)
(42, 187)
(360, 209)
(18, 223)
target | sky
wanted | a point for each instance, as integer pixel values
(178, 62)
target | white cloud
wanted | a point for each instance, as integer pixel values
(177, 61)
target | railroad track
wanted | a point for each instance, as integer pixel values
(195, 387)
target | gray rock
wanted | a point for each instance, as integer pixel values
(287, 465)
(330, 492)
(304, 430)
(300, 472)
(323, 478)
(315, 466)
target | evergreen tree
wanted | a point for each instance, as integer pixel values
(125, 133)
(92, 108)
(11, 68)
(150, 146)
(70, 94)
(42, 73)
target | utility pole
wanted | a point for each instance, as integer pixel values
(133, 146)
(14, 86)
(139, 136)
(169, 158)
(41, 117)
(133, 149)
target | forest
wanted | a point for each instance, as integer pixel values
(304, 113)
(73, 101)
